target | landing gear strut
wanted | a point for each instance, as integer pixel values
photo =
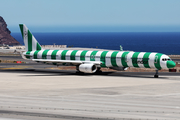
(156, 75)
(98, 71)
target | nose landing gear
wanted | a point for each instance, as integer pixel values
(156, 75)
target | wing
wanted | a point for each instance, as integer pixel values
(67, 61)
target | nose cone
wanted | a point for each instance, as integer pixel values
(171, 64)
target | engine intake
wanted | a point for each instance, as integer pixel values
(87, 68)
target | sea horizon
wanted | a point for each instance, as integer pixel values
(162, 42)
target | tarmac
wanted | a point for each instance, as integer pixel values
(35, 92)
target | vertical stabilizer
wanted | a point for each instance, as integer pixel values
(121, 48)
(30, 41)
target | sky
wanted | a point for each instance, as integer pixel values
(92, 15)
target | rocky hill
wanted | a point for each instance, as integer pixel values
(5, 37)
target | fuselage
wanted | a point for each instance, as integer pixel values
(108, 58)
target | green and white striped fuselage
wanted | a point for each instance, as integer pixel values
(92, 61)
(107, 58)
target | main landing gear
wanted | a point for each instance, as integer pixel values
(156, 75)
(79, 73)
(98, 71)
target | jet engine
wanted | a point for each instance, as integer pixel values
(87, 68)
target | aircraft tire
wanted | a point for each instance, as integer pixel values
(156, 76)
(79, 73)
(98, 72)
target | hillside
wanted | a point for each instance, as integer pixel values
(5, 37)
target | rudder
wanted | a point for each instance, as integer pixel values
(30, 41)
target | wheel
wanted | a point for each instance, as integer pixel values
(156, 76)
(79, 73)
(98, 72)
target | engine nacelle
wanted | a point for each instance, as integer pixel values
(87, 68)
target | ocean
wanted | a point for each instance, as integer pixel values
(162, 42)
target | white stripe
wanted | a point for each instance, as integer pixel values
(108, 59)
(129, 59)
(58, 55)
(151, 60)
(87, 56)
(32, 54)
(118, 59)
(39, 55)
(163, 64)
(68, 55)
(140, 58)
(49, 54)
(78, 54)
(98, 55)
(34, 43)
(25, 34)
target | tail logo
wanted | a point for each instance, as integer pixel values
(30, 42)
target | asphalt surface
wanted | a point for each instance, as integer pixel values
(15, 58)
(36, 92)
(59, 94)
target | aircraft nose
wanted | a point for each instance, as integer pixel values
(171, 64)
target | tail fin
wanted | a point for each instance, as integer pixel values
(30, 42)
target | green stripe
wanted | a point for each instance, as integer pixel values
(134, 59)
(38, 47)
(73, 54)
(53, 55)
(28, 53)
(63, 54)
(113, 59)
(146, 60)
(21, 28)
(83, 54)
(157, 61)
(29, 41)
(123, 59)
(92, 56)
(103, 58)
(170, 64)
(35, 54)
(44, 54)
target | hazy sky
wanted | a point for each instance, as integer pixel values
(92, 15)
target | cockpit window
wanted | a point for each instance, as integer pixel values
(166, 59)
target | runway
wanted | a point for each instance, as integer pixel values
(32, 91)
(47, 94)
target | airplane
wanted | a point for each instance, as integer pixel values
(87, 61)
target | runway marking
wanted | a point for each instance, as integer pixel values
(101, 102)
(173, 94)
(15, 67)
(131, 95)
(9, 119)
(10, 68)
